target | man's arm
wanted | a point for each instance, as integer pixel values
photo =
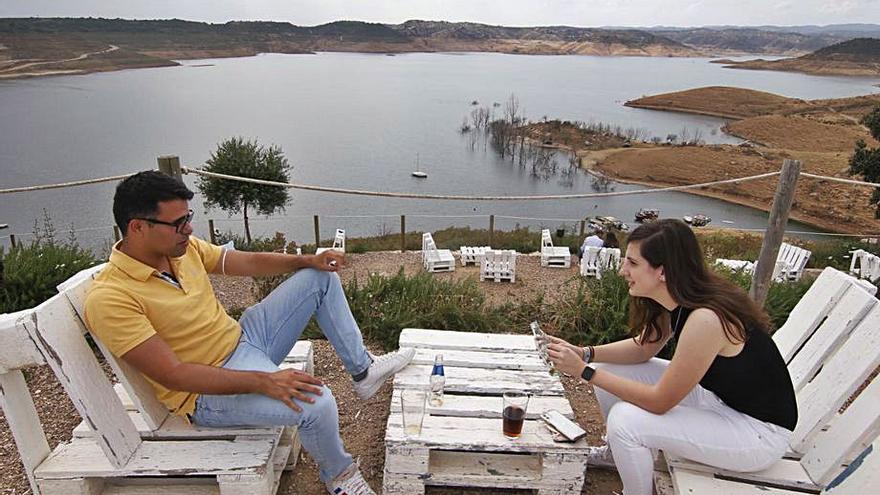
(155, 359)
(250, 264)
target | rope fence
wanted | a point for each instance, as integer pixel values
(404, 195)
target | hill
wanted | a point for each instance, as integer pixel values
(738, 40)
(856, 57)
(38, 46)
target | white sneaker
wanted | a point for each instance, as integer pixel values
(382, 368)
(349, 482)
(600, 457)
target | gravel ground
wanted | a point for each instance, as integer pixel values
(362, 424)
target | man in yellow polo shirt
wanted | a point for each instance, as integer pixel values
(154, 307)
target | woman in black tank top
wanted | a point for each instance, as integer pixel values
(725, 399)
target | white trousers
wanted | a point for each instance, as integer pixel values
(700, 428)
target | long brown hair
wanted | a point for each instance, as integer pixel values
(671, 244)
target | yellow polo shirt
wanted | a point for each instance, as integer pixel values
(129, 303)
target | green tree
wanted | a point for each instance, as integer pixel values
(872, 122)
(865, 161)
(241, 158)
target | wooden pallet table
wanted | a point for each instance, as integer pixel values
(461, 443)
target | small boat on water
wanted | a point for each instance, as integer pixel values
(4, 225)
(698, 220)
(608, 223)
(647, 214)
(417, 173)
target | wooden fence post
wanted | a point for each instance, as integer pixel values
(491, 229)
(12, 239)
(170, 165)
(317, 233)
(211, 231)
(581, 233)
(116, 233)
(402, 233)
(775, 230)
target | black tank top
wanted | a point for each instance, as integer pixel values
(755, 381)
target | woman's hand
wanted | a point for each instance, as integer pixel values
(566, 359)
(557, 341)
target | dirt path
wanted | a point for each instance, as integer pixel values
(112, 48)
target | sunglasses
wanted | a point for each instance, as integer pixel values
(177, 224)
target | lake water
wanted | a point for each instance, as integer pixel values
(353, 121)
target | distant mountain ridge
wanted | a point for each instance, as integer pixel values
(76, 45)
(860, 56)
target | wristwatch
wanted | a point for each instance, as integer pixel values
(588, 372)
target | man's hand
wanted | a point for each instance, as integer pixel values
(329, 261)
(566, 359)
(286, 385)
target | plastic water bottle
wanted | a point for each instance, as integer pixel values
(438, 380)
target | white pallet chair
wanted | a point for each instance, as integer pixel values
(819, 401)
(427, 240)
(816, 327)
(845, 441)
(796, 262)
(590, 262)
(436, 260)
(338, 243)
(609, 259)
(865, 265)
(790, 263)
(498, 265)
(862, 477)
(147, 446)
(746, 266)
(858, 263)
(472, 254)
(551, 255)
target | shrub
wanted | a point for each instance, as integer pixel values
(595, 313)
(781, 297)
(385, 305)
(257, 244)
(29, 274)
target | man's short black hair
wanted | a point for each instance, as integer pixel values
(139, 196)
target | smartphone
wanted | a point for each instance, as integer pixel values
(558, 423)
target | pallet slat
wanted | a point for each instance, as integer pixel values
(82, 458)
(447, 339)
(482, 381)
(471, 406)
(482, 359)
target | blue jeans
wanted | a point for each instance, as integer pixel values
(270, 328)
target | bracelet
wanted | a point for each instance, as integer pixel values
(589, 353)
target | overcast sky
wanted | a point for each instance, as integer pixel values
(506, 12)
